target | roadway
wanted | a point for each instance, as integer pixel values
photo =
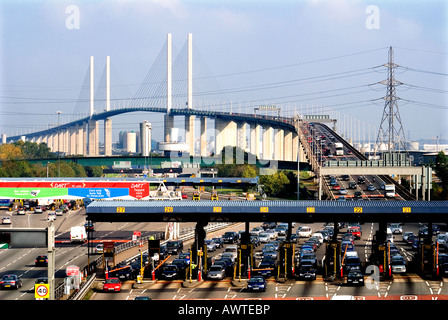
(323, 142)
(20, 261)
(408, 286)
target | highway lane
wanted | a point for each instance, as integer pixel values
(20, 261)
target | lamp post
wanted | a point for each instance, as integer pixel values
(59, 150)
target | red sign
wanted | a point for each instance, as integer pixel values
(72, 271)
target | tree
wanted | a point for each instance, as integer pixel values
(274, 184)
(10, 152)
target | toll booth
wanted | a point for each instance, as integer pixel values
(287, 260)
(245, 260)
(154, 248)
(332, 263)
(380, 257)
(199, 242)
(426, 259)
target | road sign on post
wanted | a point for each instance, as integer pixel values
(42, 291)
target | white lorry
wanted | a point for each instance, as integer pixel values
(78, 234)
(339, 148)
(389, 190)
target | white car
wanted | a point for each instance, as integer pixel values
(99, 248)
(59, 212)
(6, 220)
(264, 237)
(305, 232)
(256, 231)
(21, 211)
(51, 216)
(406, 235)
(38, 209)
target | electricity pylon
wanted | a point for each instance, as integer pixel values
(391, 133)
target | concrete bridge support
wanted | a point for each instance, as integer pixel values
(226, 134)
(255, 144)
(287, 146)
(267, 143)
(108, 137)
(93, 138)
(204, 152)
(189, 132)
(279, 140)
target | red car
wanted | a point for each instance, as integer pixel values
(356, 231)
(336, 187)
(184, 196)
(112, 284)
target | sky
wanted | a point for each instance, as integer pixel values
(306, 55)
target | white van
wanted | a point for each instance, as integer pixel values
(233, 249)
(389, 235)
(78, 234)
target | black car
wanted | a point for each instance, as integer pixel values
(174, 246)
(361, 180)
(443, 264)
(126, 272)
(358, 194)
(170, 272)
(355, 277)
(268, 265)
(230, 237)
(219, 243)
(352, 185)
(10, 281)
(181, 264)
(269, 225)
(352, 263)
(41, 261)
(306, 272)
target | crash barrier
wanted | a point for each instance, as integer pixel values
(59, 290)
(85, 287)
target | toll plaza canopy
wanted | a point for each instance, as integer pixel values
(104, 188)
(279, 211)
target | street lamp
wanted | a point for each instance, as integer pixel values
(59, 150)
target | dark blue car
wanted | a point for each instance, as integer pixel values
(256, 284)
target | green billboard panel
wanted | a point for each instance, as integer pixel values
(32, 193)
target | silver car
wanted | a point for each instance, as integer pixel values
(406, 235)
(216, 272)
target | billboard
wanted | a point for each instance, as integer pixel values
(73, 190)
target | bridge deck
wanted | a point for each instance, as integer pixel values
(298, 211)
